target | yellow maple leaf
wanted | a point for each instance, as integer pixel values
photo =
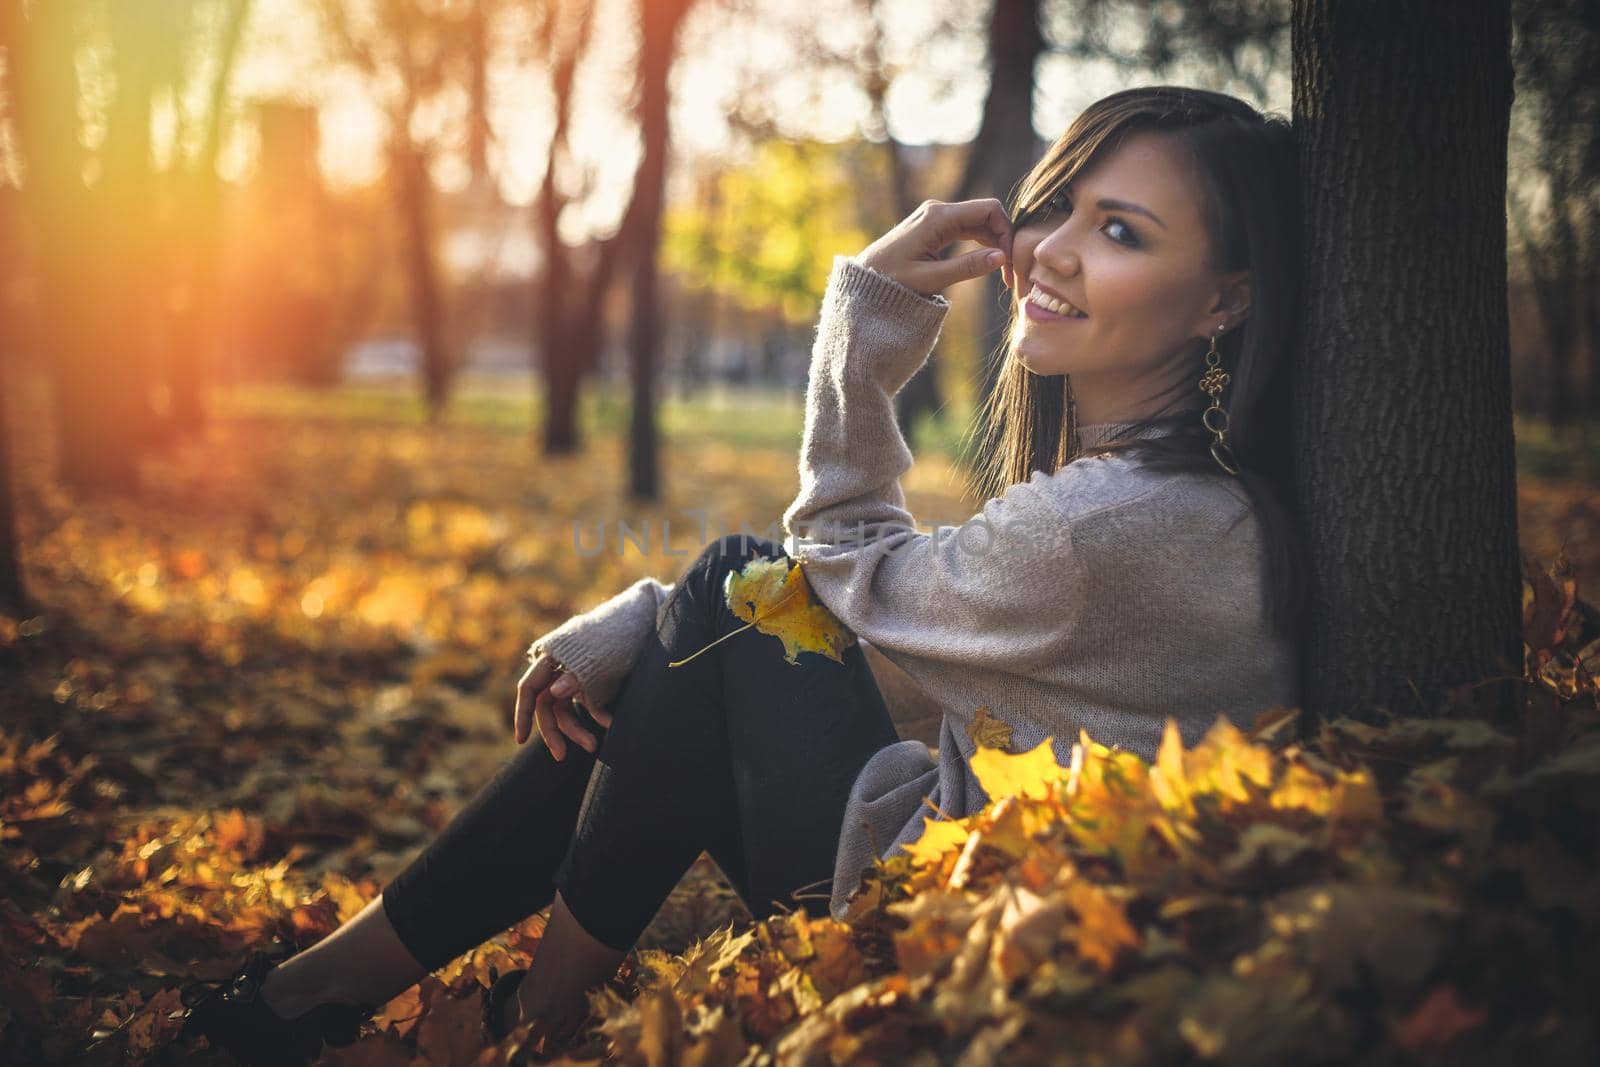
(939, 836)
(1103, 927)
(1030, 774)
(773, 596)
(986, 731)
(1301, 787)
(1168, 780)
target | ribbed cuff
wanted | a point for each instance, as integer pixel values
(859, 279)
(569, 652)
(892, 327)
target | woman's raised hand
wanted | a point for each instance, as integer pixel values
(910, 252)
(546, 694)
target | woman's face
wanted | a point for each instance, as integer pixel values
(1138, 269)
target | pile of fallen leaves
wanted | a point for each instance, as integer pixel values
(1400, 891)
(1405, 891)
(254, 691)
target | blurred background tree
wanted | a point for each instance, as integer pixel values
(205, 194)
(1554, 206)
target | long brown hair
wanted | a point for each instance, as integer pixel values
(1247, 162)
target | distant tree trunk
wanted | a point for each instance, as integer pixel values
(195, 324)
(95, 388)
(478, 127)
(1403, 412)
(127, 315)
(13, 597)
(1004, 149)
(1556, 57)
(427, 298)
(563, 328)
(1591, 325)
(659, 20)
(920, 395)
(1552, 264)
(562, 372)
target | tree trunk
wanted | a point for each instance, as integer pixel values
(659, 20)
(920, 395)
(192, 323)
(195, 324)
(125, 315)
(566, 325)
(1004, 149)
(94, 387)
(1591, 333)
(562, 372)
(411, 183)
(1403, 409)
(13, 597)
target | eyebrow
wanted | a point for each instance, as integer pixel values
(1123, 205)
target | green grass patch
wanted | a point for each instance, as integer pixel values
(741, 417)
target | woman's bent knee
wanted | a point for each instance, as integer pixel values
(734, 550)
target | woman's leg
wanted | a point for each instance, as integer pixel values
(485, 871)
(737, 751)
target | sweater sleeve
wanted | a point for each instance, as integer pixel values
(600, 645)
(873, 335)
(994, 593)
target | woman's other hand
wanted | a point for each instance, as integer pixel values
(909, 253)
(545, 695)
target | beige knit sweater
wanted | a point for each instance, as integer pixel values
(1102, 595)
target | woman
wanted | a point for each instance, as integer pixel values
(1134, 562)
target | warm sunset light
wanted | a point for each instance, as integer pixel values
(755, 532)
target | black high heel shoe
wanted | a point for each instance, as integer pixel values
(502, 987)
(233, 1015)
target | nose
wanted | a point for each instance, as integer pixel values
(1056, 251)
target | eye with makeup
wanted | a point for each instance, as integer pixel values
(1061, 204)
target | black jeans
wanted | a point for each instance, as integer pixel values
(738, 753)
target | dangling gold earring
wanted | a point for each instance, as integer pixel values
(1212, 383)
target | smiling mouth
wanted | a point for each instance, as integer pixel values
(1049, 303)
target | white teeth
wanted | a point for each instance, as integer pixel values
(1050, 303)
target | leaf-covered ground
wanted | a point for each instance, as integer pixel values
(256, 689)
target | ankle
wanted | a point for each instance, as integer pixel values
(285, 997)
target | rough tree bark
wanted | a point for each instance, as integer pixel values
(1403, 400)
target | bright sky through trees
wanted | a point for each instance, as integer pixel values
(730, 52)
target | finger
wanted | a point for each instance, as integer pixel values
(982, 220)
(564, 685)
(544, 711)
(522, 719)
(944, 273)
(597, 712)
(572, 728)
(536, 677)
